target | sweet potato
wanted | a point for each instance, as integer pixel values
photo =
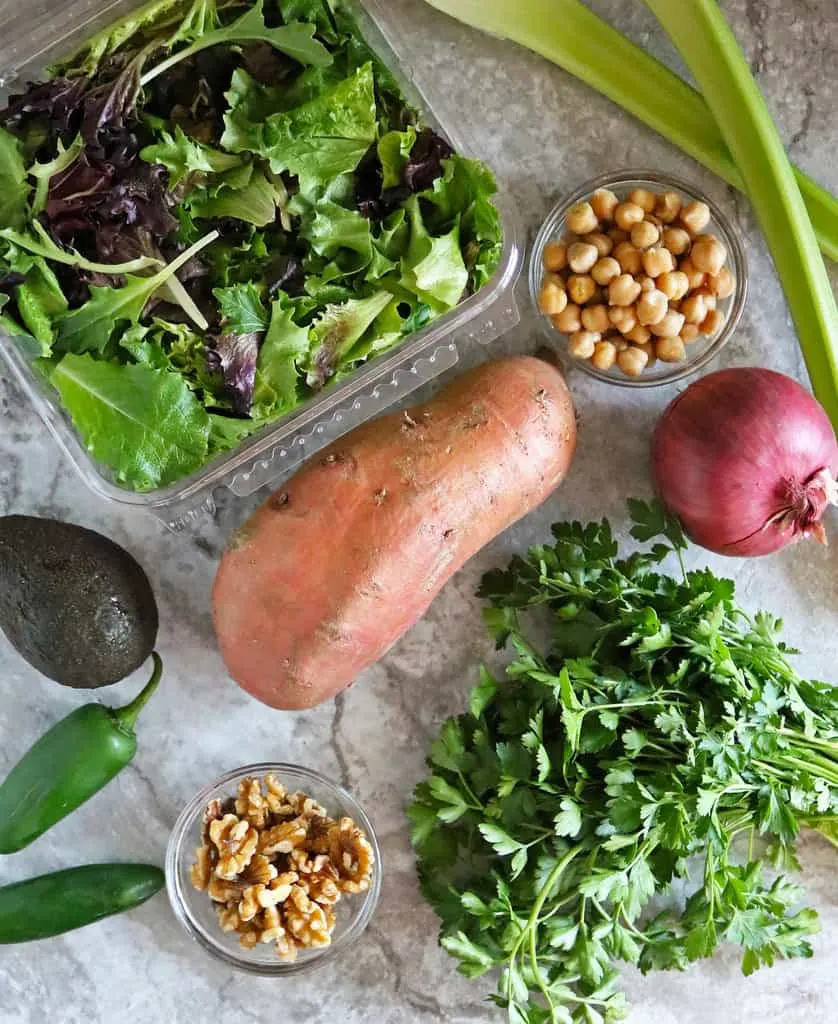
(349, 554)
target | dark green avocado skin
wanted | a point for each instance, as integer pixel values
(74, 604)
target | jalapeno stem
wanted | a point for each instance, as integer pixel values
(126, 718)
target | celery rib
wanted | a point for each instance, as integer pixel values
(570, 35)
(706, 42)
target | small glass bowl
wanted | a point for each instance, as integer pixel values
(704, 348)
(195, 910)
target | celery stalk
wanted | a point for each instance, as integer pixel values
(570, 35)
(702, 35)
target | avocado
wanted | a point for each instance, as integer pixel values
(74, 604)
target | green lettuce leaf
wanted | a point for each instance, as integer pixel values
(295, 39)
(241, 308)
(14, 190)
(43, 172)
(394, 150)
(277, 376)
(89, 328)
(433, 268)
(145, 424)
(41, 244)
(182, 156)
(255, 203)
(336, 231)
(318, 141)
(228, 432)
(336, 331)
(201, 19)
(465, 192)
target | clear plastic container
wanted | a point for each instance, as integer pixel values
(48, 30)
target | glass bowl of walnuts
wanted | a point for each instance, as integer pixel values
(274, 869)
(642, 275)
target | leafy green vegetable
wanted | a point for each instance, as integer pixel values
(42, 173)
(336, 331)
(277, 377)
(705, 40)
(318, 141)
(318, 262)
(43, 245)
(145, 424)
(572, 36)
(650, 725)
(241, 309)
(295, 39)
(90, 327)
(182, 156)
(14, 190)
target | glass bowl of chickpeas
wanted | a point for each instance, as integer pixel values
(643, 276)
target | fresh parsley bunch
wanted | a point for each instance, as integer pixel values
(657, 734)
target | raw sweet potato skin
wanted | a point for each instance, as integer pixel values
(349, 554)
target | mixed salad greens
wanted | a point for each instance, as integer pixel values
(211, 213)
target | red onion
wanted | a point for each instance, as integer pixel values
(746, 459)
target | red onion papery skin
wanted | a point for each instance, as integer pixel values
(746, 458)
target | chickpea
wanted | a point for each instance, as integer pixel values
(619, 342)
(581, 219)
(617, 235)
(647, 284)
(694, 276)
(582, 257)
(670, 326)
(629, 258)
(712, 322)
(695, 216)
(649, 349)
(605, 270)
(652, 308)
(694, 308)
(553, 297)
(632, 361)
(668, 206)
(670, 350)
(568, 320)
(623, 290)
(555, 257)
(657, 261)
(624, 318)
(676, 240)
(709, 298)
(627, 215)
(580, 288)
(595, 318)
(639, 334)
(644, 235)
(568, 239)
(603, 203)
(581, 344)
(603, 243)
(673, 284)
(605, 355)
(689, 332)
(723, 284)
(708, 254)
(643, 198)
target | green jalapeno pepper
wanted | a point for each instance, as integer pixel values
(74, 760)
(52, 904)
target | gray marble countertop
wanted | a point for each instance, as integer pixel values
(544, 133)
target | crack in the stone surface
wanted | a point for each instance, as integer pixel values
(334, 739)
(755, 14)
(806, 123)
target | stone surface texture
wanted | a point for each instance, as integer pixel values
(544, 133)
